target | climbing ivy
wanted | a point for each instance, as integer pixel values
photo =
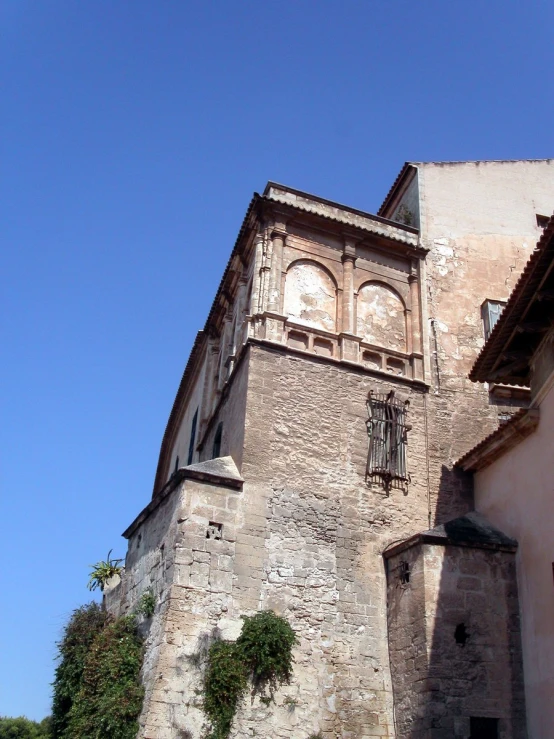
(263, 653)
(82, 628)
(110, 698)
(225, 683)
(97, 692)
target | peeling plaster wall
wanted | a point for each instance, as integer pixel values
(310, 296)
(478, 219)
(380, 317)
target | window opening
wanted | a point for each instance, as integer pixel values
(461, 635)
(214, 530)
(404, 573)
(216, 450)
(490, 313)
(483, 728)
(388, 431)
(192, 437)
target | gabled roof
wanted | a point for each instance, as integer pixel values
(403, 176)
(527, 316)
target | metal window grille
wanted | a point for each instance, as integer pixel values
(387, 430)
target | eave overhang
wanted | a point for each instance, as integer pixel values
(508, 435)
(398, 187)
(526, 318)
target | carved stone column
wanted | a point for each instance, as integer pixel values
(416, 322)
(274, 321)
(349, 347)
(348, 262)
(278, 238)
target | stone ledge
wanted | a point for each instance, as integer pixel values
(220, 471)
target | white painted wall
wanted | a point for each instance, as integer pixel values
(516, 494)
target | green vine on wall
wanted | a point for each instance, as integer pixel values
(97, 691)
(262, 653)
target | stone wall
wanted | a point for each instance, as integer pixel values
(183, 548)
(454, 642)
(311, 534)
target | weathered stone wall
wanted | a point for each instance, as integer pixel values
(454, 642)
(184, 551)
(311, 534)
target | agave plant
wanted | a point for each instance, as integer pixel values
(103, 571)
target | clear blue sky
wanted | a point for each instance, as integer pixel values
(133, 136)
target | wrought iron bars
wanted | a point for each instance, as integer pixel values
(388, 431)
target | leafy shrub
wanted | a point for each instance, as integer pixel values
(225, 683)
(82, 629)
(110, 698)
(266, 643)
(97, 693)
(103, 571)
(24, 728)
(146, 604)
(263, 652)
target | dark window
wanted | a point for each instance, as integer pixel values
(216, 450)
(214, 530)
(483, 728)
(192, 437)
(404, 573)
(490, 313)
(387, 430)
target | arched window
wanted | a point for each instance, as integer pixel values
(381, 316)
(311, 296)
(216, 449)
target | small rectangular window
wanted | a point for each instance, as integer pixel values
(387, 430)
(490, 313)
(483, 728)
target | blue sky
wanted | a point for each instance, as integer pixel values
(134, 134)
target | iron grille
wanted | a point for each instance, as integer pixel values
(387, 431)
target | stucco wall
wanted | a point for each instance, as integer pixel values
(516, 493)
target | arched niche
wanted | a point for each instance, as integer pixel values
(381, 316)
(310, 296)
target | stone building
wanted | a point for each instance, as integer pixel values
(312, 441)
(514, 469)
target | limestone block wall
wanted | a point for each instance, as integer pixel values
(311, 533)
(454, 642)
(183, 548)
